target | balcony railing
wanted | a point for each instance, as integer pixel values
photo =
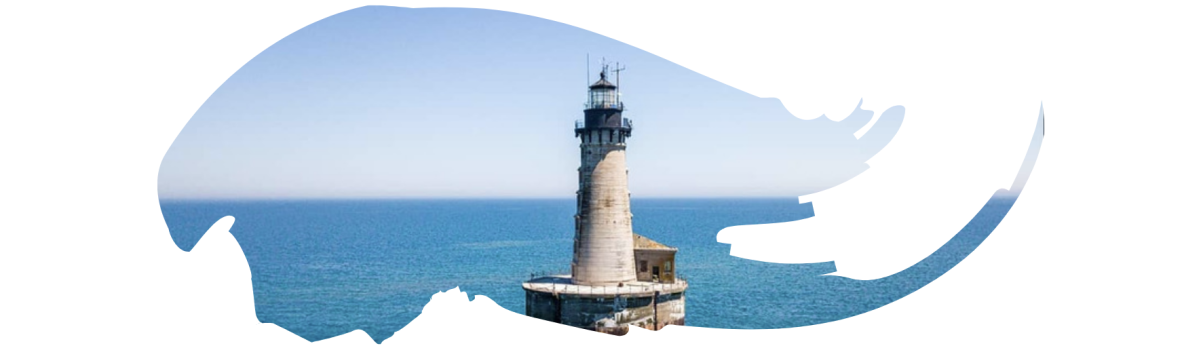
(561, 284)
(625, 124)
(602, 105)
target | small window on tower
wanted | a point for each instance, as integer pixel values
(642, 265)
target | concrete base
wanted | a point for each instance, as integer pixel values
(610, 310)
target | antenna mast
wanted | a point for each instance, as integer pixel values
(617, 70)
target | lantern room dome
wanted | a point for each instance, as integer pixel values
(603, 83)
(603, 94)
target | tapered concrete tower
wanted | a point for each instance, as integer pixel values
(603, 223)
(618, 278)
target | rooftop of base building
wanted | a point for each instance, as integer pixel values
(641, 242)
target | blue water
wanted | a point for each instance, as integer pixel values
(323, 268)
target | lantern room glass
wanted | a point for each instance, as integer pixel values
(602, 98)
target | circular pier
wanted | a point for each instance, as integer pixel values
(606, 308)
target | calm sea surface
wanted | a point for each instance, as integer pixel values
(323, 268)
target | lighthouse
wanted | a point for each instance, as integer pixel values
(618, 278)
(603, 223)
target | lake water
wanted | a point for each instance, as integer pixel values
(322, 268)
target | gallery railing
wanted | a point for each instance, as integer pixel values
(558, 282)
(625, 123)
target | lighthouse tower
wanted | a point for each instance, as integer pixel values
(618, 278)
(603, 223)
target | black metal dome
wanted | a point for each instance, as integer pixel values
(603, 83)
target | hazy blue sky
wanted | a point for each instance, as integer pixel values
(397, 102)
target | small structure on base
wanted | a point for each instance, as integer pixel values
(617, 278)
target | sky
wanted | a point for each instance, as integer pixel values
(387, 102)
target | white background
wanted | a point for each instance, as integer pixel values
(1096, 251)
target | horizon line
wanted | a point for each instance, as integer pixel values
(444, 198)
